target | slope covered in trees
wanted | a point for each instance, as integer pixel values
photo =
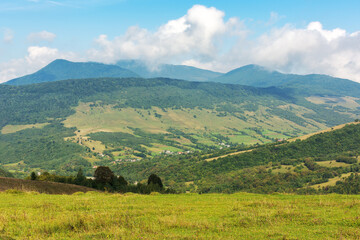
(63, 70)
(86, 122)
(281, 167)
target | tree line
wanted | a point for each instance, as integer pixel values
(105, 180)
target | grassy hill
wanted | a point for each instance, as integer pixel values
(81, 123)
(7, 183)
(186, 216)
(63, 69)
(278, 167)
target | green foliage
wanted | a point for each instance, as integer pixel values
(351, 185)
(4, 173)
(345, 159)
(155, 180)
(38, 146)
(248, 171)
(103, 175)
(33, 176)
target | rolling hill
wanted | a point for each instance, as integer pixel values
(315, 164)
(63, 69)
(307, 85)
(81, 123)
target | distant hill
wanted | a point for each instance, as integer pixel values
(63, 69)
(315, 163)
(64, 125)
(253, 75)
(312, 84)
(40, 186)
(169, 71)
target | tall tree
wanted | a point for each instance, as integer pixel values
(156, 180)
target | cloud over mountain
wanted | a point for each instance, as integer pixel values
(197, 39)
(204, 37)
(195, 34)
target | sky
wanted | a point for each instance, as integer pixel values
(297, 36)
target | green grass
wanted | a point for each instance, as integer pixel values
(187, 216)
(197, 121)
(15, 128)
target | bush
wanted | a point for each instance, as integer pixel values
(345, 159)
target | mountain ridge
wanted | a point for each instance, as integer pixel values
(61, 69)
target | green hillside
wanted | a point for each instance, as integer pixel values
(300, 166)
(86, 122)
(63, 69)
(312, 84)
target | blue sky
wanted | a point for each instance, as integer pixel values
(305, 36)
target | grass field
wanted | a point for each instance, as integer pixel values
(15, 128)
(198, 121)
(187, 216)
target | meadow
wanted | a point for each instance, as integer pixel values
(96, 215)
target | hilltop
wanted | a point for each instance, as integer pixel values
(62, 70)
(307, 85)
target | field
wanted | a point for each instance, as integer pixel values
(204, 125)
(187, 216)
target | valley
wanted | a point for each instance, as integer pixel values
(194, 134)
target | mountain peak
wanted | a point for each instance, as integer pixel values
(61, 69)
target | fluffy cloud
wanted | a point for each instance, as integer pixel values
(41, 36)
(198, 33)
(204, 38)
(36, 58)
(295, 50)
(309, 50)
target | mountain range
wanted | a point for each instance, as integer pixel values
(87, 114)
(249, 75)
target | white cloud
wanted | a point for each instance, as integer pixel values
(36, 58)
(309, 50)
(198, 33)
(204, 38)
(295, 50)
(8, 35)
(37, 37)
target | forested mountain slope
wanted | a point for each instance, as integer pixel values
(301, 166)
(81, 123)
(62, 70)
(312, 84)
